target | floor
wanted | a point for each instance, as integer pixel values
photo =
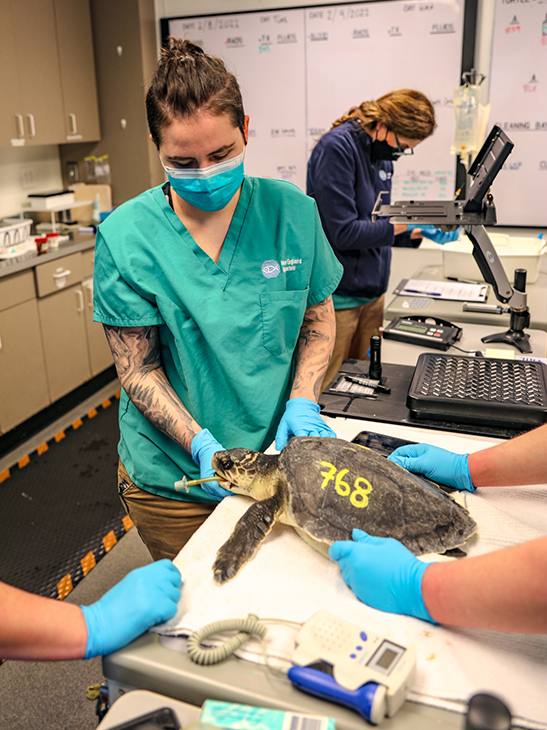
(54, 694)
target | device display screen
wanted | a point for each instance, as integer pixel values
(420, 328)
(386, 657)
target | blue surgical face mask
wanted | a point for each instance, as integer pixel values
(209, 188)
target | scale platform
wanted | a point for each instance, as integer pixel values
(473, 412)
(479, 390)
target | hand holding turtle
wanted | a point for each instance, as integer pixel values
(435, 463)
(382, 573)
(204, 447)
(301, 418)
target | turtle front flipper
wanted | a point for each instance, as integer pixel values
(249, 533)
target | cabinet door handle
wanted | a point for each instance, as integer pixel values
(20, 126)
(72, 124)
(61, 274)
(0, 343)
(80, 298)
(31, 126)
(89, 288)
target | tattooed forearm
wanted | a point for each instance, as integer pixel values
(137, 359)
(314, 349)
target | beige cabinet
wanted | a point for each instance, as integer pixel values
(47, 79)
(23, 385)
(100, 355)
(77, 67)
(35, 66)
(62, 319)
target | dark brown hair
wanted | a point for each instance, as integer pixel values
(406, 112)
(187, 81)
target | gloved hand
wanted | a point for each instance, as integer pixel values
(301, 418)
(437, 464)
(204, 446)
(382, 573)
(435, 234)
(145, 597)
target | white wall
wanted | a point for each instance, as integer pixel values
(41, 162)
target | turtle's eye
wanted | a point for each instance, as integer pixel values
(224, 461)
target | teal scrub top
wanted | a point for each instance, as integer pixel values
(227, 331)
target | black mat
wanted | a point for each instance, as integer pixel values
(61, 505)
(392, 408)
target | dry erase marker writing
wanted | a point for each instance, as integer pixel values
(417, 291)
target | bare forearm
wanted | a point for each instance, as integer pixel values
(37, 628)
(522, 460)
(315, 345)
(503, 591)
(138, 363)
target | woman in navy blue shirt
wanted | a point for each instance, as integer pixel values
(348, 168)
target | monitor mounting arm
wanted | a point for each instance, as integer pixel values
(473, 214)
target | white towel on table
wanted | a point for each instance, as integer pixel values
(289, 580)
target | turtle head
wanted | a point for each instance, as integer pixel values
(248, 472)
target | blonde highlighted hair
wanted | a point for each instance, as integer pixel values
(406, 112)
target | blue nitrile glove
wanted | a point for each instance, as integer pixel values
(301, 418)
(382, 573)
(435, 234)
(145, 597)
(204, 446)
(435, 463)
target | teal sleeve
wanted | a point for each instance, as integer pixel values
(327, 270)
(116, 300)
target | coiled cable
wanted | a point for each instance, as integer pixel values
(212, 655)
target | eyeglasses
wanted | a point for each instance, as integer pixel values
(406, 152)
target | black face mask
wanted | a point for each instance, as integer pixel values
(383, 151)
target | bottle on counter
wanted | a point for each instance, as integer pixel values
(52, 240)
(96, 210)
(41, 244)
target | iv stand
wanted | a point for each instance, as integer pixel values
(473, 214)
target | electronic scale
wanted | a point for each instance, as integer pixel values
(424, 331)
(344, 663)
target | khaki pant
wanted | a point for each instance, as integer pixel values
(354, 328)
(164, 525)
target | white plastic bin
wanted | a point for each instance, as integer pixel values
(514, 253)
(13, 231)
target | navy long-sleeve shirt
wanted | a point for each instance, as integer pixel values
(345, 184)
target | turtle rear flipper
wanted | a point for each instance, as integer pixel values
(249, 532)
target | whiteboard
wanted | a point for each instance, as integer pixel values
(300, 69)
(518, 99)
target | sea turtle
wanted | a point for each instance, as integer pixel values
(324, 487)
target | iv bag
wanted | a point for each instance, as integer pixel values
(470, 120)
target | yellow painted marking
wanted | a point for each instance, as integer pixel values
(64, 586)
(77, 423)
(60, 436)
(109, 541)
(92, 413)
(127, 523)
(88, 562)
(4, 475)
(106, 403)
(23, 462)
(42, 449)
(358, 497)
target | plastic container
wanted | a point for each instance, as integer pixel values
(52, 240)
(41, 244)
(14, 231)
(514, 253)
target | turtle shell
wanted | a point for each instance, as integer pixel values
(334, 486)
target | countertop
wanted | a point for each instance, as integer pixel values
(77, 242)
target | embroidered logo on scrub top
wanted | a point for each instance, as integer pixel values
(271, 269)
(383, 175)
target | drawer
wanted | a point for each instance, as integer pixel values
(59, 274)
(88, 257)
(16, 289)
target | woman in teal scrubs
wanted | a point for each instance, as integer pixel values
(215, 293)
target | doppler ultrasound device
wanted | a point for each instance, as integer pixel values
(352, 666)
